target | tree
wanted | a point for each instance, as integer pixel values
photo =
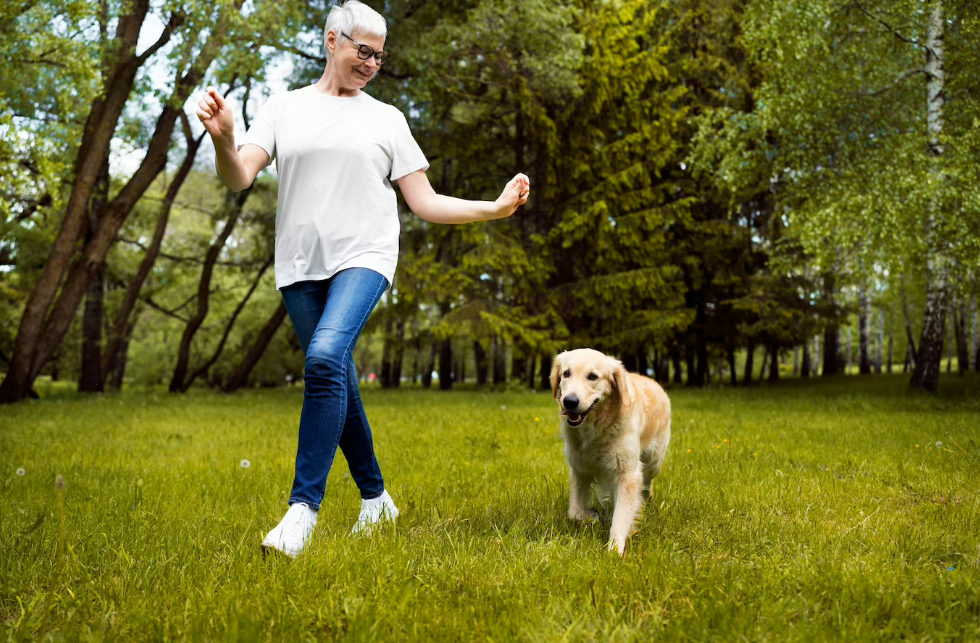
(865, 163)
(58, 291)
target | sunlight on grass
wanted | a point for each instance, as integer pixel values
(811, 511)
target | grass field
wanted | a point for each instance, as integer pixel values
(844, 510)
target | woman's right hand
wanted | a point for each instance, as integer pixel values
(216, 115)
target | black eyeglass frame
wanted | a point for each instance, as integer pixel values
(366, 51)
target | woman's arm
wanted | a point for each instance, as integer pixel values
(437, 208)
(237, 168)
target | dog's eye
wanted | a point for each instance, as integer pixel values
(593, 377)
(566, 374)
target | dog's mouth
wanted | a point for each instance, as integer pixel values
(576, 419)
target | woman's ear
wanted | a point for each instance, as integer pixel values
(621, 384)
(555, 375)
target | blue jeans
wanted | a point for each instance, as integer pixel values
(329, 316)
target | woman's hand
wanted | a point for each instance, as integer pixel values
(216, 116)
(514, 195)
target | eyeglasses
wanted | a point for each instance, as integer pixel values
(364, 51)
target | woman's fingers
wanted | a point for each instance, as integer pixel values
(216, 97)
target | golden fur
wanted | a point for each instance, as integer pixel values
(616, 427)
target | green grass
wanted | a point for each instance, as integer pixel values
(808, 511)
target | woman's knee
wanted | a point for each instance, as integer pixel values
(325, 360)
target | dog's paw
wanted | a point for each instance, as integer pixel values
(619, 544)
(582, 516)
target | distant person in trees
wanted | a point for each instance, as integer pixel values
(337, 151)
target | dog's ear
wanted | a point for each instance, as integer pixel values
(555, 375)
(620, 385)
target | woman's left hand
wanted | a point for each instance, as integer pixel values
(514, 195)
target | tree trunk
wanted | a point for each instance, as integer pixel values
(234, 201)
(445, 364)
(629, 362)
(774, 365)
(417, 372)
(121, 327)
(950, 340)
(926, 374)
(386, 351)
(544, 374)
(891, 338)
(518, 363)
(658, 366)
(41, 332)
(879, 362)
(430, 364)
(962, 349)
(749, 364)
(695, 376)
(816, 355)
(675, 357)
(864, 360)
(831, 352)
(92, 154)
(499, 362)
(482, 365)
(642, 365)
(399, 354)
(805, 365)
(460, 370)
(910, 352)
(203, 369)
(731, 364)
(239, 376)
(974, 334)
(91, 380)
(118, 371)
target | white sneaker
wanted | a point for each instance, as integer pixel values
(293, 532)
(373, 512)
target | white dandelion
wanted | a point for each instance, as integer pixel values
(939, 445)
(245, 464)
(21, 472)
(503, 407)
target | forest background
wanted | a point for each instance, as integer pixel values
(724, 191)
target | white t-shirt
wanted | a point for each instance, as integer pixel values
(336, 158)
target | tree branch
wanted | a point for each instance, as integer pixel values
(155, 306)
(176, 19)
(299, 52)
(893, 30)
(203, 368)
(891, 85)
(32, 207)
(178, 259)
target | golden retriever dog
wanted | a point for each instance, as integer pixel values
(616, 427)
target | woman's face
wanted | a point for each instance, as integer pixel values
(351, 71)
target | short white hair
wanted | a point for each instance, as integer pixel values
(353, 17)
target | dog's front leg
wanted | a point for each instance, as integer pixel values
(580, 488)
(629, 487)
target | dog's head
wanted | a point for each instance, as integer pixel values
(584, 380)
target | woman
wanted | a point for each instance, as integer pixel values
(337, 150)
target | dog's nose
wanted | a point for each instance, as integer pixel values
(570, 402)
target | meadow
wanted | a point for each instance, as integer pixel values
(808, 511)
